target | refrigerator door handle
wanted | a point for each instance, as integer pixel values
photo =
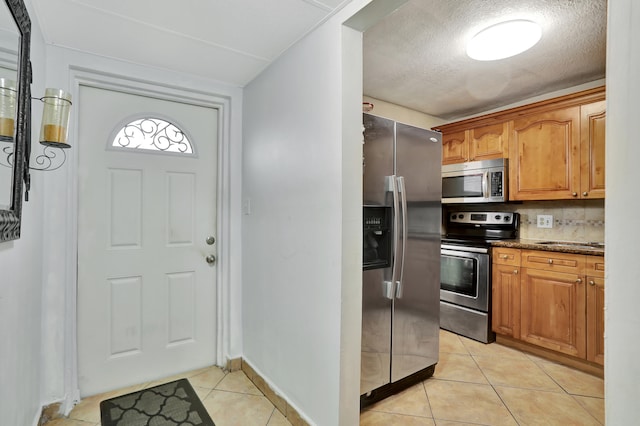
(398, 290)
(388, 289)
(403, 193)
(393, 187)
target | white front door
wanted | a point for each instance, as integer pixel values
(146, 292)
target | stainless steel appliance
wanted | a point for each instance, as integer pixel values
(465, 277)
(475, 182)
(400, 302)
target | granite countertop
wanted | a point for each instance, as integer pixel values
(594, 249)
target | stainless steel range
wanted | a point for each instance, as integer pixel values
(465, 272)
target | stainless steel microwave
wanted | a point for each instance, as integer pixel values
(475, 182)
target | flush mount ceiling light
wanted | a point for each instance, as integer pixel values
(504, 40)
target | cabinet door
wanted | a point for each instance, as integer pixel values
(505, 293)
(595, 319)
(553, 308)
(488, 142)
(455, 147)
(592, 135)
(544, 156)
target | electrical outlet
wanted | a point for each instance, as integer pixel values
(545, 221)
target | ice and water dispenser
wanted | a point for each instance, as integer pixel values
(376, 246)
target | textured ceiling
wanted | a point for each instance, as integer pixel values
(416, 56)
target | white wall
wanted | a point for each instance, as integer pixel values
(64, 69)
(301, 241)
(622, 316)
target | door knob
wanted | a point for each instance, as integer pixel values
(210, 240)
(211, 259)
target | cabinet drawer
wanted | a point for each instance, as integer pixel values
(595, 266)
(506, 256)
(553, 261)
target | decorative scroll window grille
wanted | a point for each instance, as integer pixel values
(154, 134)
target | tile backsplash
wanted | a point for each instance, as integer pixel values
(573, 220)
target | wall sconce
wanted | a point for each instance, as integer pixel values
(54, 129)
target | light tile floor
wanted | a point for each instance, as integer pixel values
(474, 384)
(230, 398)
(478, 384)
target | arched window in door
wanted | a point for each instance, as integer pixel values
(154, 134)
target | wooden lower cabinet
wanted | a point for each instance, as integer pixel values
(595, 309)
(553, 308)
(505, 292)
(551, 300)
(595, 320)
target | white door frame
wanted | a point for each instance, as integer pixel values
(84, 77)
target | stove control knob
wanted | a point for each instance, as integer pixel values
(453, 216)
(498, 217)
(506, 218)
(460, 216)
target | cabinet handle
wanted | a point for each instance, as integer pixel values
(550, 261)
(504, 256)
(585, 193)
(515, 271)
(575, 194)
(592, 282)
(579, 280)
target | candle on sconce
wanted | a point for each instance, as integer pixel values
(7, 109)
(55, 118)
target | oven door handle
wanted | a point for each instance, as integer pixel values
(403, 193)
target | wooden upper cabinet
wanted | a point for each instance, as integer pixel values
(544, 155)
(489, 142)
(455, 147)
(592, 154)
(556, 147)
(479, 143)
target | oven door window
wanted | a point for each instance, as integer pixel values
(459, 275)
(462, 186)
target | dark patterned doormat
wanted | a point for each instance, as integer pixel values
(171, 404)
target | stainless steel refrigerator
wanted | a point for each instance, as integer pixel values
(401, 301)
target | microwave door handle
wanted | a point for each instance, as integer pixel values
(485, 185)
(403, 194)
(389, 286)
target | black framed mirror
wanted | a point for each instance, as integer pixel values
(17, 149)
